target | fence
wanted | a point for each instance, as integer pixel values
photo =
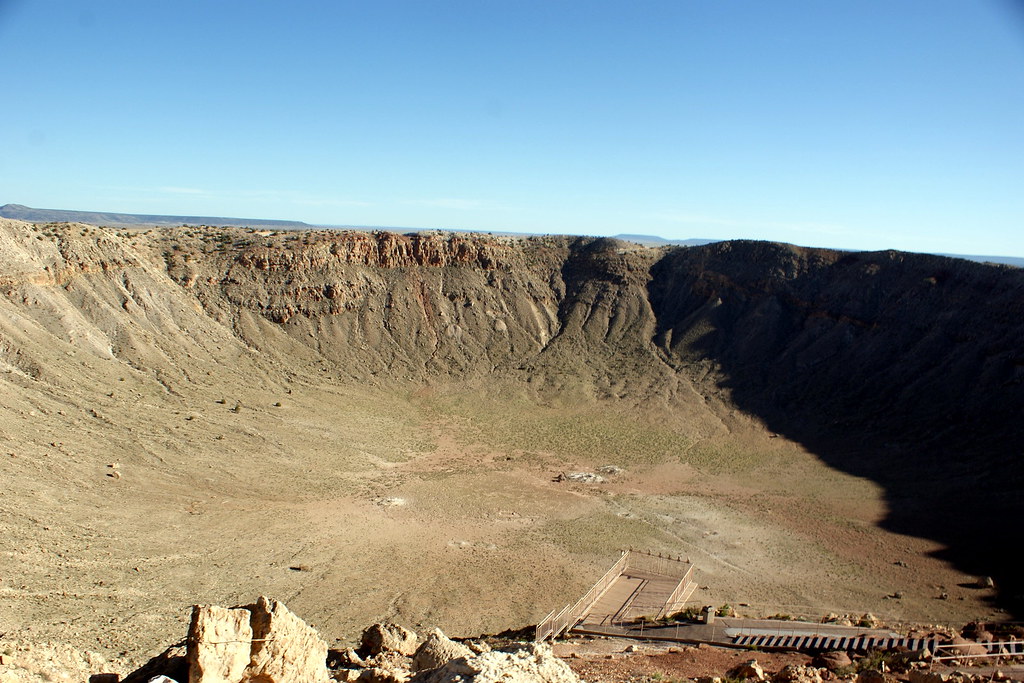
(554, 623)
(656, 564)
(1003, 648)
(684, 589)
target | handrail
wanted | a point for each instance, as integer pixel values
(553, 624)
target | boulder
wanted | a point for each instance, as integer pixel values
(260, 643)
(962, 646)
(749, 670)
(284, 648)
(219, 644)
(344, 659)
(388, 637)
(794, 673)
(532, 663)
(871, 676)
(833, 661)
(869, 620)
(919, 676)
(388, 666)
(437, 650)
(378, 674)
(983, 636)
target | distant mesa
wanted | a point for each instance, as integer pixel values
(655, 241)
(125, 220)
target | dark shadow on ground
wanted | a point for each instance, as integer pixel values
(906, 369)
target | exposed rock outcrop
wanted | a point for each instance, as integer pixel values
(833, 661)
(794, 673)
(749, 670)
(437, 650)
(533, 663)
(260, 643)
(388, 637)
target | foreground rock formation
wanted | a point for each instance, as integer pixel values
(261, 643)
(266, 643)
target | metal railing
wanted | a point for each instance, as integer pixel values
(657, 564)
(995, 649)
(554, 623)
(683, 590)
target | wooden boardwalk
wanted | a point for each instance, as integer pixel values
(634, 593)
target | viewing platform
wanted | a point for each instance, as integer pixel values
(639, 584)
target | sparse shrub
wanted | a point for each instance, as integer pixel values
(724, 611)
(873, 661)
(688, 614)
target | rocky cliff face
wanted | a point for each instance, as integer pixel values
(905, 368)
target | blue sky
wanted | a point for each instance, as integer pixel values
(849, 123)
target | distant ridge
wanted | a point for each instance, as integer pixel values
(655, 241)
(124, 220)
(1001, 260)
(26, 213)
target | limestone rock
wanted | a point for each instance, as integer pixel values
(794, 673)
(284, 648)
(219, 644)
(388, 637)
(533, 663)
(378, 674)
(585, 477)
(869, 620)
(748, 670)
(437, 650)
(260, 643)
(347, 658)
(388, 666)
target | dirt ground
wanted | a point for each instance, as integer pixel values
(616, 660)
(353, 506)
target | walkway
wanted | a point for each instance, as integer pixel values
(767, 634)
(638, 584)
(634, 593)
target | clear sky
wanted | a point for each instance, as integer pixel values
(857, 124)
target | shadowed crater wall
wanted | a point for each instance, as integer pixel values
(903, 368)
